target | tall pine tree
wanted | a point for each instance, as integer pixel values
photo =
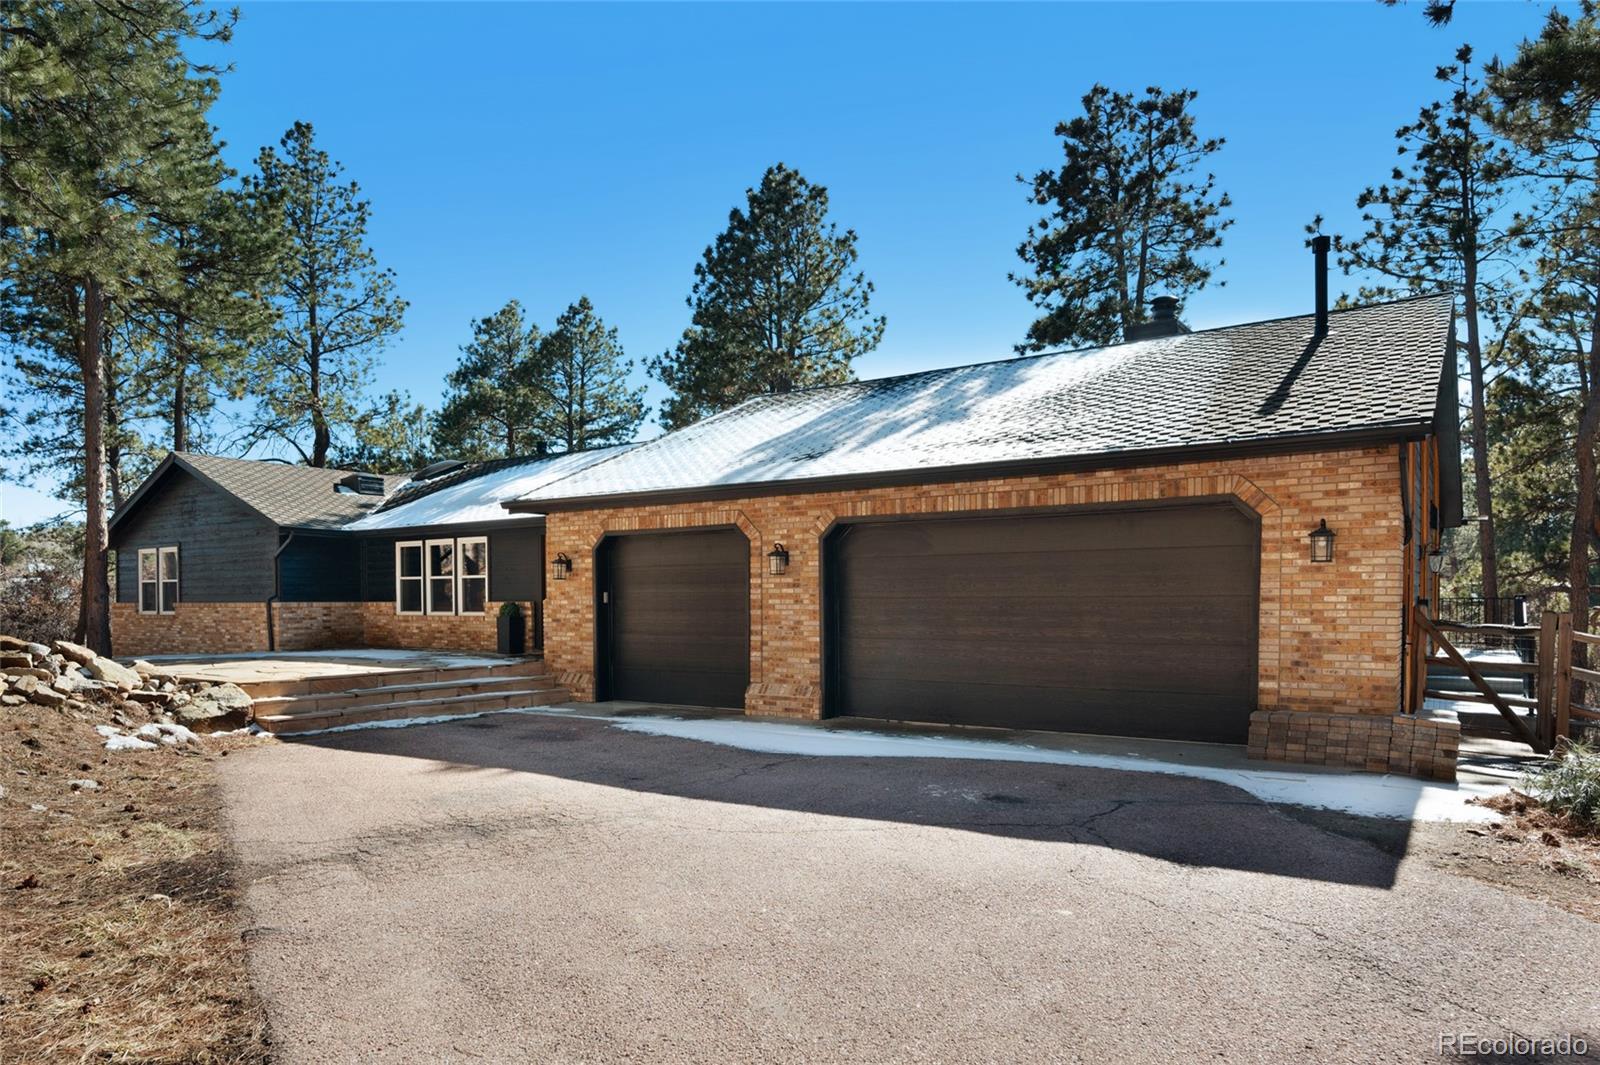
(1130, 216)
(776, 305)
(105, 136)
(584, 377)
(336, 307)
(494, 407)
(1442, 220)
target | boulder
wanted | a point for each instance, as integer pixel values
(218, 706)
(38, 650)
(15, 660)
(11, 700)
(24, 685)
(36, 673)
(112, 673)
(45, 695)
(139, 695)
(75, 651)
(11, 643)
(151, 672)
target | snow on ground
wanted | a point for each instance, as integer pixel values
(1367, 794)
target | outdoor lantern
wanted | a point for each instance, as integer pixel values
(777, 560)
(1322, 542)
(1436, 561)
(560, 567)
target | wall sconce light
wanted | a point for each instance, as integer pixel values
(777, 560)
(1436, 561)
(1322, 542)
(560, 567)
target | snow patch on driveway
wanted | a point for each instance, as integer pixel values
(1368, 794)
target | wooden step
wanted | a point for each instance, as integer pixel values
(396, 693)
(342, 682)
(285, 723)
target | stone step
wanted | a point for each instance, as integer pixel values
(449, 687)
(341, 682)
(285, 724)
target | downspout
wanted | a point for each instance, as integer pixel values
(277, 588)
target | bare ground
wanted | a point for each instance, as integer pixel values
(119, 937)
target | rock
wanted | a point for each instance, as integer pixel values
(84, 784)
(215, 707)
(140, 695)
(11, 643)
(38, 650)
(112, 673)
(45, 695)
(11, 700)
(24, 685)
(151, 672)
(75, 651)
(5, 685)
(16, 660)
(36, 673)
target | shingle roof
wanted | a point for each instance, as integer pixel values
(473, 493)
(1378, 369)
(296, 497)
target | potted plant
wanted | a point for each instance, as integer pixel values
(513, 629)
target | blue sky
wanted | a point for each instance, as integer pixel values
(544, 152)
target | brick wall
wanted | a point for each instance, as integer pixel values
(1416, 746)
(213, 628)
(1329, 633)
(382, 627)
(314, 626)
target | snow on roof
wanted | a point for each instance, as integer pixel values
(476, 499)
(1378, 368)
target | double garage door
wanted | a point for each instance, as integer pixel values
(1128, 622)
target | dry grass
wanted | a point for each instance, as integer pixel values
(119, 939)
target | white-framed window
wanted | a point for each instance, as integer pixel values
(408, 577)
(472, 575)
(441, 559)
(158, 580)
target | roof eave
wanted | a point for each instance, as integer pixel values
(1300, 442)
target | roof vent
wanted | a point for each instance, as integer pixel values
(437, 469)
(365, 484)
(1163, 321)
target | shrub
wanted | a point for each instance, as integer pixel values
(1569, 783)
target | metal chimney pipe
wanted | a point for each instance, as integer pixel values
(1319, 248)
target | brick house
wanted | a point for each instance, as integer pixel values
(221, 555)
(1208, 535)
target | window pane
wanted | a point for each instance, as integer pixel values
(147, 596)
(474, 594)
(474, 558)
(169, 595)
(440, 558)
(169, 563)
(411, 594)
(410, 560)
(439, 595)
(147, 565)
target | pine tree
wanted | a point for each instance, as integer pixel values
(1549, 99)
(1128, 218)
(775, 305)
(585, 380)
(105, 135)
(392, 436)
(494, 407)
(337, 308)
(1442, 220)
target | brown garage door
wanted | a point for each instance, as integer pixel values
(674, 617)
(1128, 622)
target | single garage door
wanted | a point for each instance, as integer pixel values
(1127, 622)
(674, 618)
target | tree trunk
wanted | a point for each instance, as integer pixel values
(1480, 447)
(180, 395)
(94, 618)
(1584, 513)
(321, 438)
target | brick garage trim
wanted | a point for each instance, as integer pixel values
(1329, 635)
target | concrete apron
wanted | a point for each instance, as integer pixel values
(1482, 775)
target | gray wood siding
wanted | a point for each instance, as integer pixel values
(320, 569)
(516, 563)
(224, 548)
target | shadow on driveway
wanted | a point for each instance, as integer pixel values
(1177, 819)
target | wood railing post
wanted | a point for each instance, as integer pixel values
(1562, 715)
(1417, 675)
(1545, 682)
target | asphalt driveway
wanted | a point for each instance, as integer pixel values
(539, 889)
